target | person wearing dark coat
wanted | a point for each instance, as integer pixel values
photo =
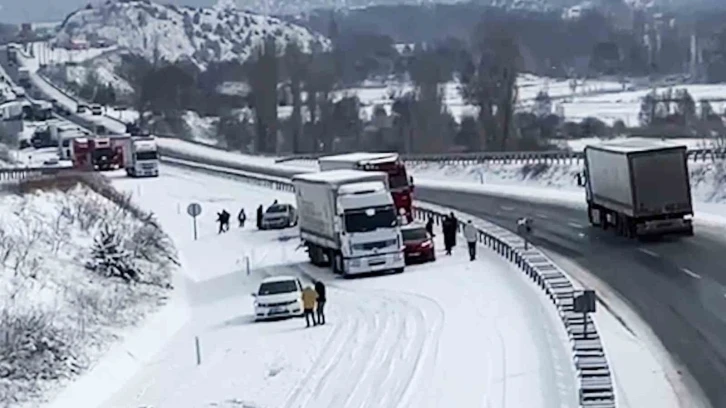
(430, 226)
(225, 220)
(220, 220)
(259, 217)
(448, 231)
(242, 217)
(455, 228)
(320, 289)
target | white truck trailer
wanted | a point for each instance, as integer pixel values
(142, 159)
(639, 187)
(348, 220)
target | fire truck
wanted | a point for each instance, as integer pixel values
(400, 184)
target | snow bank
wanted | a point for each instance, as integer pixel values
(60, 306)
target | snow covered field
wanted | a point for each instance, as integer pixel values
(407, 338)
(61, 309)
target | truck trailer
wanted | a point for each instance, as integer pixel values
(348, 220)
(399, 183)
(639, 187)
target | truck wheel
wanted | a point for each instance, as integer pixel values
(337, 264)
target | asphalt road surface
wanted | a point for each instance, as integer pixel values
(678, 285)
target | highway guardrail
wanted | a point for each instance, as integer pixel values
(595, 384)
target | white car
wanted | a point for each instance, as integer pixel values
(278, 296)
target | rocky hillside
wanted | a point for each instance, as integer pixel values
(171, 33)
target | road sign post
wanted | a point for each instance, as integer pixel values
(194, 209)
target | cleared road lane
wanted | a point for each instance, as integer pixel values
(677, 285)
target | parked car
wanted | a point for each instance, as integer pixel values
(278, 296)
(419, 245)
(279, 216)
(96, 110)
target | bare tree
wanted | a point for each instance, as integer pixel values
(490, 82)
(263, 74)
(296, 67)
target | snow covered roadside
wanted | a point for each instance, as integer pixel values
(407, 338)
(61, 304)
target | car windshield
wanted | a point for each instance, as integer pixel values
(414, 234)
(151, 155)
(275, 288)
(370, 219)
(277, 209)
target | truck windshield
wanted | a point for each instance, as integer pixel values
(106, 152)
(397, 179)
(150, 155)
(370, 219)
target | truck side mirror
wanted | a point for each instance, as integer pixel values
(410, 181)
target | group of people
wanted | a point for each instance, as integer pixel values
(449, 227)
(314, 299)
(223, 220)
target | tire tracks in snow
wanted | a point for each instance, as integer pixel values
(380, 359)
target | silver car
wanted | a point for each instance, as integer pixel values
(279, 216)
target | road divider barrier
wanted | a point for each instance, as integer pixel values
(595, 384)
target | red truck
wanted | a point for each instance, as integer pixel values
(96, 153)
(400, 184)
(81, 153)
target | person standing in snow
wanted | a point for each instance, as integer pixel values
(225, 220)
(309, 296)
(470, 233)
(449, 229)
(430, 226)
(320, 290)
(242, 217)
(259, 217)
(221, 223)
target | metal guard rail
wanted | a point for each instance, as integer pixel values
(595, 384)
(555, 156)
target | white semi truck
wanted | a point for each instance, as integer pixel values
(141, 159)
(348, 220)
(639, 187)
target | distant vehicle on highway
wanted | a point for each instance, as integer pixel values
(96, 110)
(418, 244)
(81, 108)
(279, 216)
(278, 296)
(639, 187)
(19, 91)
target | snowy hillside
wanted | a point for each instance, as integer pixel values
(173, 33)
(62, 305)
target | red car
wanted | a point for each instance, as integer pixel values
(419, 244)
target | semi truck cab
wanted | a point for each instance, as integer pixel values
(143, 158)
(370, 233)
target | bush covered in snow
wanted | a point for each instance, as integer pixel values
(76, 266)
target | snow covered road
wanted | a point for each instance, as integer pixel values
(450, 333)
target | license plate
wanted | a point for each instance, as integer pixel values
(414, 253)
(377, 261)
(276, 310)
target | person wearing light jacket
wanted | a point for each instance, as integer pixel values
(470, 233)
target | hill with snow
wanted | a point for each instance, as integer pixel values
(174, 33)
